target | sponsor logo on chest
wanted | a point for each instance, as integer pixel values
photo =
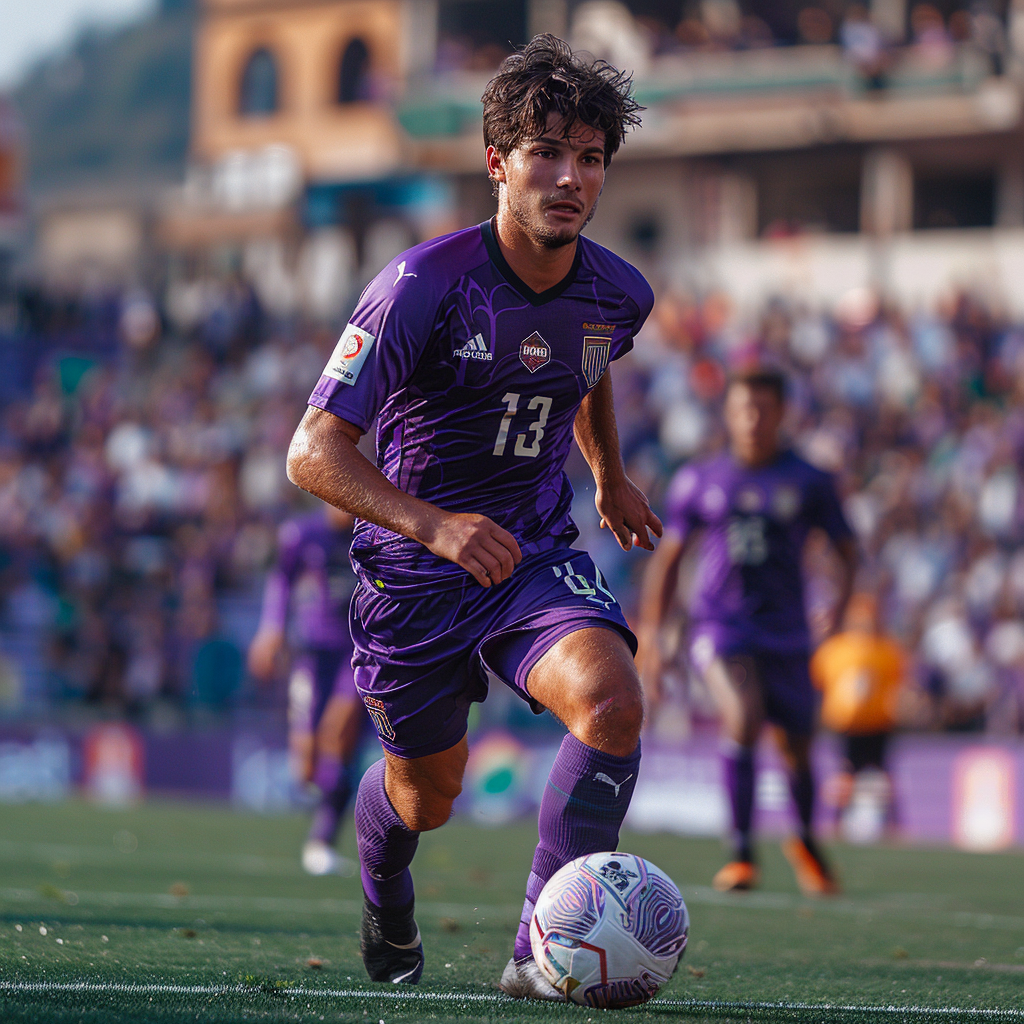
(475, 348)
(534, 352)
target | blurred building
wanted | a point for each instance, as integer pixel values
(327, 136)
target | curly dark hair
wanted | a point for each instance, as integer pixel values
(545, 76)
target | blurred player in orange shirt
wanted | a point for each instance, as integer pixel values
(860, 672)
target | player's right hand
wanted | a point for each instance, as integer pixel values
(486, 551)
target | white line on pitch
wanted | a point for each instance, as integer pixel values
(492, 998)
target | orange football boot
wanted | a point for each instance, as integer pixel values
(813, 875)
(736, 876)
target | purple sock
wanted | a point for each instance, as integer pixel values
(386, 845)
(334, 780)
(801, 787)
(738, 763)
(584, 802)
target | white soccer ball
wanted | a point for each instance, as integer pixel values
(609, 930)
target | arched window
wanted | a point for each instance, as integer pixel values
(354, 73)
(257, 94)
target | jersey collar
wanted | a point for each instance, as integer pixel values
(487, 229)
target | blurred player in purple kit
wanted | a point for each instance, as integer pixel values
(752, 507)
(480, 355)
(313, 580)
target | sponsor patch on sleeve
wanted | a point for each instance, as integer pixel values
(349, 354)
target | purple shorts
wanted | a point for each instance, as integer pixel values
(420, 662)
(790, 700)
(317, 675)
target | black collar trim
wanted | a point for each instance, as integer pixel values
(489, 232)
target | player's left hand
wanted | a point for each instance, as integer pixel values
(624, 509)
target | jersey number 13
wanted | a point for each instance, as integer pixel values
(524, 449)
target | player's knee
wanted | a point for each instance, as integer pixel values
(613, 721)
(432, 810)
(425, 804)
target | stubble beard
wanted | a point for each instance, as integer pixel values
(542, 234)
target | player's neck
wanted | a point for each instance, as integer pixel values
(536, 265)
(758, 461)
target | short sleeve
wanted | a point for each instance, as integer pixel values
(681, 508)
(380, 347)
(826, 510)
(643, 298)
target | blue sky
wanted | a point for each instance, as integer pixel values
(35, 28)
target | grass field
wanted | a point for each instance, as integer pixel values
(175, 912)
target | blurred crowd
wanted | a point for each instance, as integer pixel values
(873, 37)
(921, 415)
(140, 487)
(142, 482)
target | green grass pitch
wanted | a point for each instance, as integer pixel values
(175, 912)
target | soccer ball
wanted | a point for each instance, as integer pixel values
(609, 930)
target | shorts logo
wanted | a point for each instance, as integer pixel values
(379, 714)
(595, 358)
(534, 352)
(475, 348)
(349, 354)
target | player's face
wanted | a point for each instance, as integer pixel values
(552, 183)
(753, 418)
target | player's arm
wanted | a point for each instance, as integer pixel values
(661, 578)
(268, 644)
(323, 459)
(622, 506)
(846, 549)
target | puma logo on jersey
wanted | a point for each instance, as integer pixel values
(601, 777)
(402, 273)
(475, 348)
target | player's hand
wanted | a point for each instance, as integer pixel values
(486, 551)
(264, 651)
(624, 509)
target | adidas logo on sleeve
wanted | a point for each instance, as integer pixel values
(475, 348)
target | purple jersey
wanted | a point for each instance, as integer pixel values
(749, 594)
(312, 576)
(475, 380)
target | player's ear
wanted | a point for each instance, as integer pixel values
(495, 165)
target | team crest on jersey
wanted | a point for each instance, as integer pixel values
(786, 502)
(379, 713)
(595, 358)
(475, 348)
(349, 354)
(749, 500)
(534, 352)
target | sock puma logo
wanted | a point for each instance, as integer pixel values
(601, 777)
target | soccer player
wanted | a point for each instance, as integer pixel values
(312, 576)
(481, 354)
(861, 672)
(753, 507)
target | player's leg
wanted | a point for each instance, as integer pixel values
(336, 749)
(803, 852)
(589, 681)
(790, 705)
(302, 717)
(398, 798)
(735, 688)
